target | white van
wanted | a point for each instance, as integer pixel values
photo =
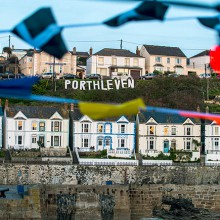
(121, 75)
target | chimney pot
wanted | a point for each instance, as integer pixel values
(71, 107)
(74, 50)
(6, 103)
(90, 51)
(138, 51)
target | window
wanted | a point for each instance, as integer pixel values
(107, 128)
(216, 144)
(107, 142)
(122, 129)
(173, 144)
(20, 125)
(100, 128)
(41, 141)
(127, 61)
(136, 63)
(34, 126)
(158, 59)
(61, 69)
(55, 141)
(34, 139)
(20, 140)
(114, 61)
(150, 143)
(216, 130)
(102, 71)
(188, 144)
(166, 130)
(42, 126)
(100, 60)
(178, 60)
(121, 142)
(85, 142)
(85, 128)
(56, 126)
(30, 60)
(173, 131)
(100, 142)
(150, 130)
(168, 60)
(188, 131)
(51, 69)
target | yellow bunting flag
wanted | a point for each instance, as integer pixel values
(99, 110)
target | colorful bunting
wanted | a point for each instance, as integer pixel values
(215, 59)
(41, 31)
(145, 11)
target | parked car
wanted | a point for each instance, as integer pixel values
(173, 75)
(20, 75)
(69, 76)
(8, 75)
(47, 76)
(120, 75)
(93, 76)
(205, 75)
(148, 76)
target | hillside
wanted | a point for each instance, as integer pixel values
(182, 93)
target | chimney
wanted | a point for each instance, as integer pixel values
(65, 106)
(207, 109)
(6, 104)
(90, 51)
(74, 50)
(138, 51)
(72, 107)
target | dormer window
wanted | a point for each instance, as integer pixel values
(122, 128)
(85, 128)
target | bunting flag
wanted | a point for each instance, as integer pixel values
(145, 11)
(189, 114)
(215, 59)
(41, 31)
(101, 111)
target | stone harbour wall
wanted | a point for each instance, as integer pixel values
(98, 175)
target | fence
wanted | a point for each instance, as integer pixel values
(157, 162)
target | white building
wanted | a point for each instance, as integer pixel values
(111, 134)
(108, 61)
(160, 132)
(212, 141)
(200, 63)
(29, 127)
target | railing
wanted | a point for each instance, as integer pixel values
(119, 153)
(213, 151)
(85, 149)
(157, 162)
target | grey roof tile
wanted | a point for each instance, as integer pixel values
(164, 51)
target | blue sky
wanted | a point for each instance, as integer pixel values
(189, 35)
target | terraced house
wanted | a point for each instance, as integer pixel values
(28, 127)
(160, 132)
(110, 134)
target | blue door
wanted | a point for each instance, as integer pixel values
(166, 146)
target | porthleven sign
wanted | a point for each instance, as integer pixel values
(99, 84)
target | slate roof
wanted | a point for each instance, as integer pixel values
(163, 118)
(203, 53)
(82, 54)
(164, 51)
(36, 111)
(116, 52)
(76, 115)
